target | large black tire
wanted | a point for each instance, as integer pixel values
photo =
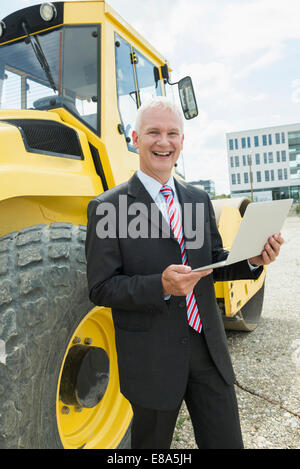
(43, 297)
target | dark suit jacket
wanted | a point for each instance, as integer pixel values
(152, 337)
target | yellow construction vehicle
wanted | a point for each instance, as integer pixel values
(72, 75)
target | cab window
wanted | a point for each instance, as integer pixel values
(72, 57)
(126, 88)
(135, 84)
(145, 79)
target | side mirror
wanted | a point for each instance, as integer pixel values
(187, 98)
(186, 93)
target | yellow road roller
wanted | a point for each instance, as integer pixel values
(72, 76)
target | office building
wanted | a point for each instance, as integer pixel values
(265, 162)
(208, 185)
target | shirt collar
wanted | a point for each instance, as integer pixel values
(152, 185)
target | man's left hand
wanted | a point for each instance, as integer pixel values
(270, 252)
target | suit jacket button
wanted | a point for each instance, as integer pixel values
(184, 340)
(182, 304)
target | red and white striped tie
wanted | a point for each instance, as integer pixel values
(176, 225)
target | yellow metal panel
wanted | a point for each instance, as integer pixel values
(219, 289)
(24, 173)
(96, 141)
(19, 212)
(83, 12)
(38, 188)
(237, 293)
(229, 223)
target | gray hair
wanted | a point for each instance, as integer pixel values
(159, 102)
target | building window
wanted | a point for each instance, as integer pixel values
(248, 142)
(285, 174)
(272, 174)
(257, 158)
(231, 162)
(270, 139)
(233, 179)
(244, 160)
(278, 156)
(243, 142)
(230, 144)
(283, 155)
(270, 157)
(265, 158)
(238, 178)
(294, 155)
(282, 137)
(280, 174)
(277, 138)
(246, 178)
(237, 161)
(258, 176)
(264, 140)
(236, 145)
(267, 175)
(256, 143)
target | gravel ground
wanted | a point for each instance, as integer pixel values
(267, 360)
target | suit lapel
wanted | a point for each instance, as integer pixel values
(137, 191)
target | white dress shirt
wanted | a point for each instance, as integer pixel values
(153, 187)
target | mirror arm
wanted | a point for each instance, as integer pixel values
(168, 81)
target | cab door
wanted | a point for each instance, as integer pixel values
(136, 83)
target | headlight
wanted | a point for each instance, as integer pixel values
(48, 11)
(2, 28)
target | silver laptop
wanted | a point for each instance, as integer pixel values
(260, 221)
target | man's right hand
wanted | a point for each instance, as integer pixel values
(179, 280)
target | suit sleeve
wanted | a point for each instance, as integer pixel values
(239, 270)
(108, 286)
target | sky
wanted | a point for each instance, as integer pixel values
(242, 55)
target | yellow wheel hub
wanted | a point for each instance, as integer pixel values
(104, 425)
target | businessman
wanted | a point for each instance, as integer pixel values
(170, 338)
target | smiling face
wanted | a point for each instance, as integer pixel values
(159, 141)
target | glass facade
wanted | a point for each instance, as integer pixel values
(294, 154)
(276, 162)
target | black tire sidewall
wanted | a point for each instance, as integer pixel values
(43, 298)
